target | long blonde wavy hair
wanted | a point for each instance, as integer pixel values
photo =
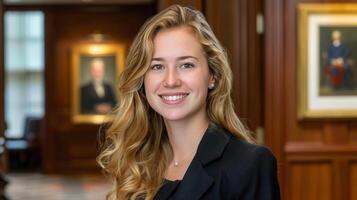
(136, 151)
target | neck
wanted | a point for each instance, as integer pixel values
(185, 136)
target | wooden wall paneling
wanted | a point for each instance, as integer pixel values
(234, 23)
(50, 123)
(197, 4)
(303, 131)
(236, 42)
(291, 148)
(255, 48)
(69, 147)
(310, 180)
(352, 168)
(229, 22)
(274, 115)
(352, 137)
(341, 171)
(325, 131)
(308, 141)
(335, 133)
(330, 136)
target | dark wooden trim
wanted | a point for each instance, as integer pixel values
(197, 4)
(239, 59)
(318, 147)
(274, 81)
(47, 139)
(347, 185)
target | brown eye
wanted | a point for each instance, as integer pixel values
(187, 65)
(157, 67)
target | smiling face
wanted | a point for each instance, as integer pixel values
(176, 83)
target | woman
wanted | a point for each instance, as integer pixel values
(175, 134)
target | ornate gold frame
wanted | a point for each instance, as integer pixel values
(305, 10)
(87, 49)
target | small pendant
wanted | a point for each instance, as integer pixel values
(176, 164)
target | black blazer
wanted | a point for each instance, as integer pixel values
(227, 168)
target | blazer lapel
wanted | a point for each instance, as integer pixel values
(195, 183)
(196, 180)
(165, 192)
(212, 145)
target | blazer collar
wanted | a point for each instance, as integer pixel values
(196, 180)
(212, 144)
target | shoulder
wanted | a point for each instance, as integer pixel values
(248, 169)
(230, 150)
(243, 157)
(241, 170)
(245, 152)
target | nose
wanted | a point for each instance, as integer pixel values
(172, 78)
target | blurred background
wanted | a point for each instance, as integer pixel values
(46, 154)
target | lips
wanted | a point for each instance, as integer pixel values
(173, 98)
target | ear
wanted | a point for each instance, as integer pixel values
(212, 82)
(213, 78)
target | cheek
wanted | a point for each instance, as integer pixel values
(146, 85)
(150, 83)
(199, 81)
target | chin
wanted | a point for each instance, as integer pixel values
(173, 117)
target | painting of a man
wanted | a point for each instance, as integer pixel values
(97, 96)
(338, 68)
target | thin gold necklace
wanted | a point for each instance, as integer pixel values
(177, 163)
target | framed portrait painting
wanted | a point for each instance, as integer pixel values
(95, 70)
(327, 68)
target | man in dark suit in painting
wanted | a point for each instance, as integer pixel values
(338, 69)
(97, 96)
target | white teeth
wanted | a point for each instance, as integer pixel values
(173, 98)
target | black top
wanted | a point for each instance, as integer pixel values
(169, 187)
(226, 168)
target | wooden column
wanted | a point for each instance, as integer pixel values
(234, 23)
(274, 68)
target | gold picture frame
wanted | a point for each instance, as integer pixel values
(327, 70)
(95, 70)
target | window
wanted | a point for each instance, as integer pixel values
(24, 67)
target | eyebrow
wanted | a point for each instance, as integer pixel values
(179, 58)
